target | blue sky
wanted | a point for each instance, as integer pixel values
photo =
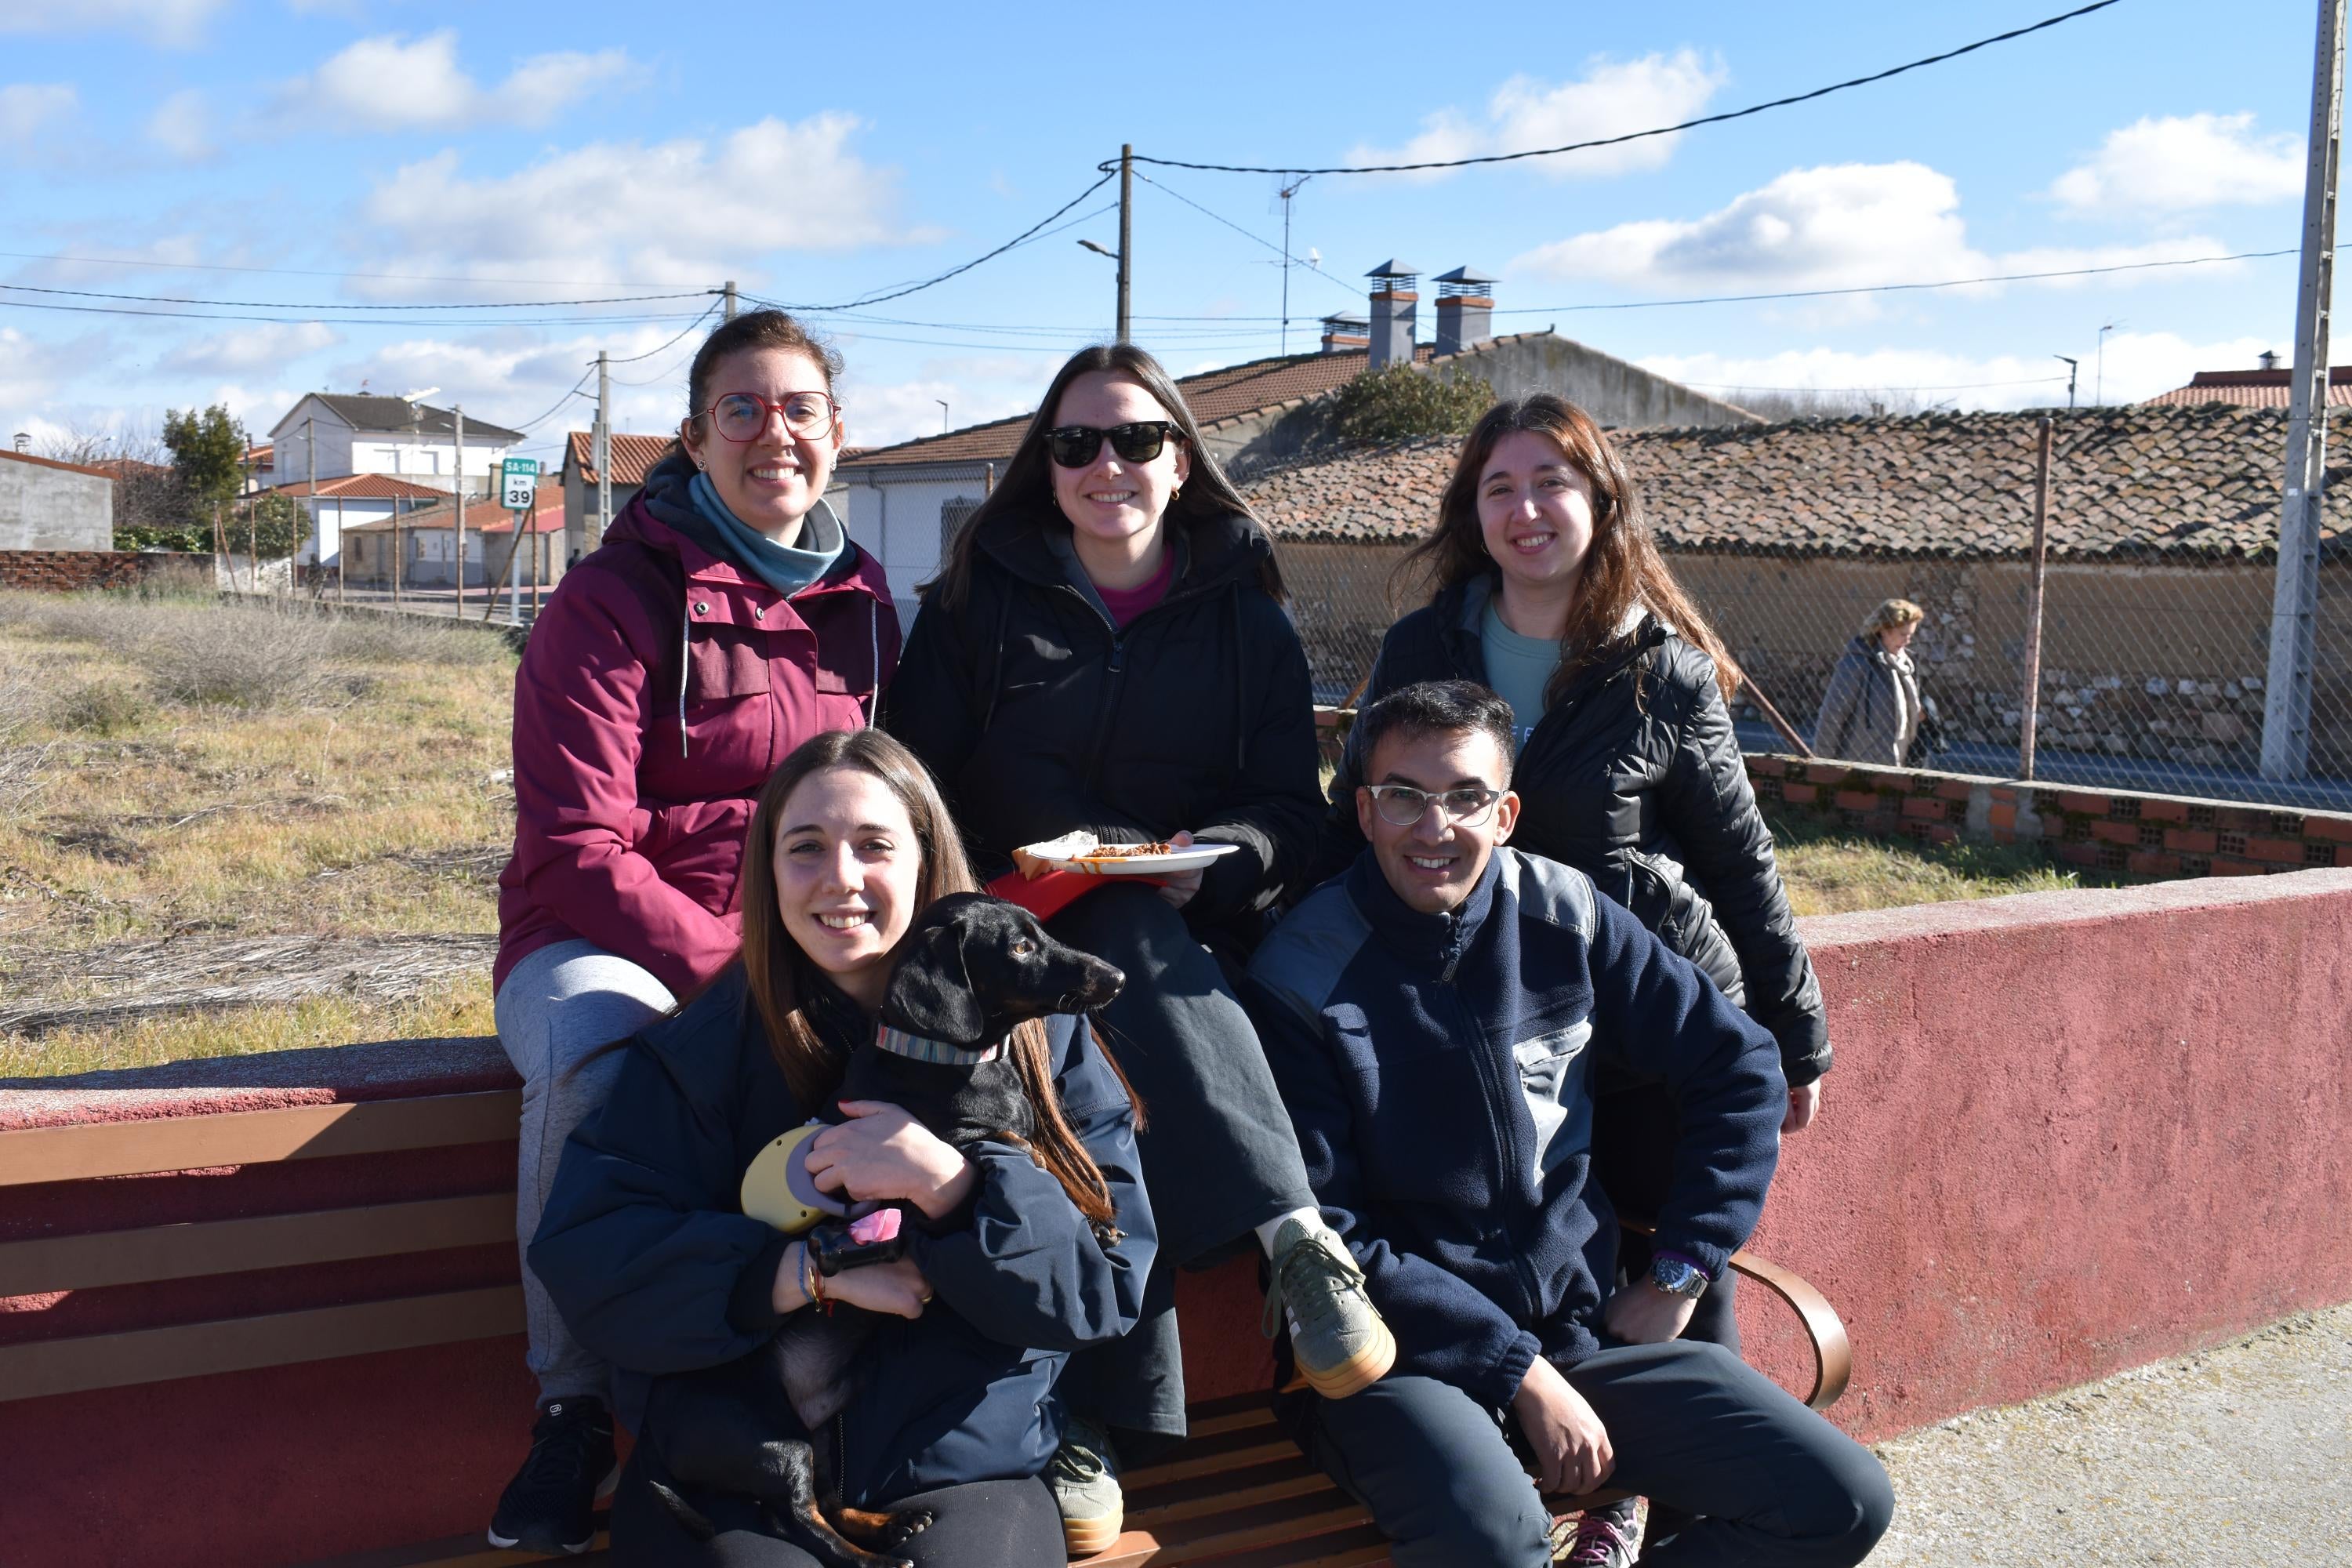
(317, 156)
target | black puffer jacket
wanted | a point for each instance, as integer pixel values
(1037, 715)
(1634, 778)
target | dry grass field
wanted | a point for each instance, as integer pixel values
(227, 828)
(184, 786)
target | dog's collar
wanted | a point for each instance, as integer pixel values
(898, 1042)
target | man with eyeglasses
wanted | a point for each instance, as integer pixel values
(1434, 1016)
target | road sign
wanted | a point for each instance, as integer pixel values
(518, 479)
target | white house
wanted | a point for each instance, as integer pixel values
(348, 501)
(358, 434)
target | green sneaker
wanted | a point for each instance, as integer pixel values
(1084, 1477)
(1337, 1338)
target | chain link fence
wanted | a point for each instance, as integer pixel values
(2155, 610)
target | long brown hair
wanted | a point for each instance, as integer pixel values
(1622, 567)
(1026, 487)
(779, 973)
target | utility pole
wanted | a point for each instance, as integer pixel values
(2294, 598)
(1126, 234)
(600, 443)
(2099, 381)
(458, 414)
(731, 307)
(310, 451)
(2073, 368)
(1288, 192)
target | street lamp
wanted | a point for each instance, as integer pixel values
(2073, 367)
(943, 413)
(2099, 393)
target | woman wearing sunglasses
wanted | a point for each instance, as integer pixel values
(1550, 589)
(726, 619)
(1107, 650)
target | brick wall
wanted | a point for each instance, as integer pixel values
(2153, 836)
(63, 571)
(2158, 837)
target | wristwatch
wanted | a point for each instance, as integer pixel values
(1678, 1277)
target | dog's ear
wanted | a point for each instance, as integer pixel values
(930, 995)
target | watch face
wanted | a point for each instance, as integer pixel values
(1678, 1278)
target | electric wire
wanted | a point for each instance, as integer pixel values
(1896, 288)
(313, 305)
(1245, 233)
(339, 321)
(151, 264)
(1112, 163)
(632, 359)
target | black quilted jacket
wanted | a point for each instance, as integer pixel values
(1634, 778)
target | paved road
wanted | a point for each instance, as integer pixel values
(2241, 1456)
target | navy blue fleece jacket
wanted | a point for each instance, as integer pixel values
(1439, 1071)
(646, 1250)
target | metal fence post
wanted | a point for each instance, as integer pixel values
(2032, 709)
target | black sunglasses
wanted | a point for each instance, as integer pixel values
(1074, 446)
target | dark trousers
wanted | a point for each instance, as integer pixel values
(1766, 1480)
(1014, 1523)
(1219, 1155)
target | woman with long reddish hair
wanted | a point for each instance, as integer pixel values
(1549, 588)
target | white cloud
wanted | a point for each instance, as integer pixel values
(177, 22)
(1610, 98)
(182, 125)
(1839, 226)
(685, 210)
(2183, 162)
(240, 353)
(2137, 366)
(28, 108)
(386, 84)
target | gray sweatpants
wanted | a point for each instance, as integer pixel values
(557, 1005)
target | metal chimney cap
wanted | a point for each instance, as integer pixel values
(1394, 268)
(1347, 319)
(1467, 275)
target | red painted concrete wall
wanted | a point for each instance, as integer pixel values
(2069, 1133)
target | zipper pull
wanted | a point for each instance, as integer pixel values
(1118, 654)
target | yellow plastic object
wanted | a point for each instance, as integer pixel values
(769, 1191)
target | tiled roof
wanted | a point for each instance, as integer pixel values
(2255, 388)
(483, 514)
(2202, 480)
(52, 463)
(1213, 395)
(362, 487)
(393, 414)
(633, 456)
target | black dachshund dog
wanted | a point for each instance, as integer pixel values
(970, 969)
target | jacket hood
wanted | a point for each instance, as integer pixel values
(1218, 551)
(662, 516)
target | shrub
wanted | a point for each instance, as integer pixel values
(23, 704)
(1397, 403)
(100, 708)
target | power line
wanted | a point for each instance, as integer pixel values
(1243, 232)
(311, 305)
(1887, 386)
(1026, 234)
(1894, 287)
(649, 354)
(150, 264)
(341, 320)
(1631, 135)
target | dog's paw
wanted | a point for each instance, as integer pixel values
(905, 1525)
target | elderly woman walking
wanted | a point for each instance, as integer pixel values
(1869, 714)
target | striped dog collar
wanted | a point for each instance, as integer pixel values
(898, 1042)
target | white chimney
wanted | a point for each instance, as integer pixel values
(1394, 302)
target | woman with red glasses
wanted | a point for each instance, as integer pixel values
(1107, 650)
(726, 619)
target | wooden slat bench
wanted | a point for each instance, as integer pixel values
(261, 1309)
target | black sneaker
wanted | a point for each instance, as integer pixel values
(549, 1505)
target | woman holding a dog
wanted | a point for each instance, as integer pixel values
(1107, 650)
(726, 619)
(1548, 589)
(953, 1412)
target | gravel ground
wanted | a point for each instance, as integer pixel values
(2240, 1456)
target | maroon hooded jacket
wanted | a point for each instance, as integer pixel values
(662, 686)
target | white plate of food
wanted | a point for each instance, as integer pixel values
(1087, 855)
